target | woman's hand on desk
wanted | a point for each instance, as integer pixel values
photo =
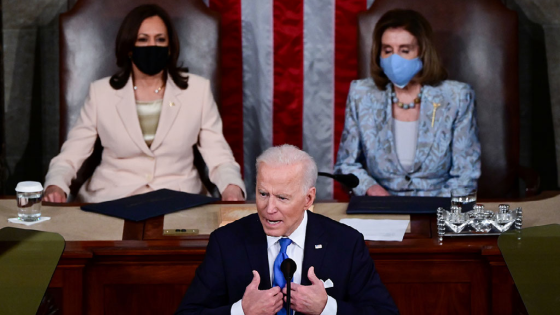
(54, 194)
(377, 190)
(232, 193)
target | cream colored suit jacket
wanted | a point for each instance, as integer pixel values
(128, 165)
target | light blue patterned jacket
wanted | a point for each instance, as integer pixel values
(447, 154)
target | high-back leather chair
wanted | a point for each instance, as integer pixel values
(87, 53)
(477, 42)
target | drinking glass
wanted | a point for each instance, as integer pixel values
(465, 198)
(29, 195)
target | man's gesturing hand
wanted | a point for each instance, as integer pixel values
(265, 302)
(309, 299)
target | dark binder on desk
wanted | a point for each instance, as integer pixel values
(396, 205)
(149, 205)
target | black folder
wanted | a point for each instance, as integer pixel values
(396, 205)
(149, 205)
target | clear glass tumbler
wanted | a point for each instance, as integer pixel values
(29, 195)
(465, 198)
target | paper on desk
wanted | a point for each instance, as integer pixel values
(379, 230)
(18, 221)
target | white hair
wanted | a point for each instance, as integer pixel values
(288, 154)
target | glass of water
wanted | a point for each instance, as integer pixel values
(465, 198)
(29, 195)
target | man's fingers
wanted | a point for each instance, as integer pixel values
(280, 299)
(311, 276)
(256, 280)
(278, 307)
(293, 298)
(275, 291)
(294, 304)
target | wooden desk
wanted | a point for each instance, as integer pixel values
(148, 274)
(460, 276)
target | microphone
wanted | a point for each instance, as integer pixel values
(288, 268)
(348, 180)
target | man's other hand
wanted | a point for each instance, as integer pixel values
(255, 301)
(310, 299)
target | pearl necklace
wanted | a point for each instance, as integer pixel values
(156, 90)
(402, 105)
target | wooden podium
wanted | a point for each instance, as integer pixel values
(139, 270)
(149, 274)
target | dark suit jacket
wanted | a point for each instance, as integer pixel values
(240, 247)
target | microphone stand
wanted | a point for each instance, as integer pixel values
(288, 306)
(288, 268)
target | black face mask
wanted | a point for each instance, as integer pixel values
(150, 59)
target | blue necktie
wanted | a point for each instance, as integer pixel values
(278, 275)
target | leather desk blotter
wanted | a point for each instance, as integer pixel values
(396, 204)
(149, 205)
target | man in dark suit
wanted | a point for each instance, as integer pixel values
(241, 271)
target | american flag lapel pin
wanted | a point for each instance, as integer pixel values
(319, 246)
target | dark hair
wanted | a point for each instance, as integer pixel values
(126, 39)
(433, 71)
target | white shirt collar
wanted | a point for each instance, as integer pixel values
(297, 237)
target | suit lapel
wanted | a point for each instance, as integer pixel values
(257, 252)
(432, 99)
(126, 107)
(169, 110)
(313, 255)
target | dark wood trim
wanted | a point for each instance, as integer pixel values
(133, 230)
(153, 229)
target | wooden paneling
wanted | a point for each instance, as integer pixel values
(66, 287)
(137, 287)
(432, 298)
(441, 284)
(142, 298)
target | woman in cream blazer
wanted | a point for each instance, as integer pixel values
(189, 116)
(128, 166)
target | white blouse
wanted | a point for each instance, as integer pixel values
(406, 136)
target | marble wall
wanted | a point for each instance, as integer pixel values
(31, 95)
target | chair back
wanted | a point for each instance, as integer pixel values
(477, 43)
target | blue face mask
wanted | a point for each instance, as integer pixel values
(400, 70)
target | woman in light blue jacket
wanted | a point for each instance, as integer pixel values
(408, 130)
